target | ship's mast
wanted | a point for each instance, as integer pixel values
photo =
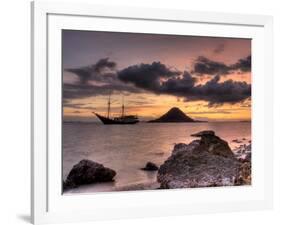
(108, 106)
(123, 108)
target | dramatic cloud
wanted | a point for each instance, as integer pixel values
(244, 65)
(100, 71)
(97, 79)
(214, 91)
(104, 64)
(205, 66)
(76, 91)
(146, 76)
(178, 86)
(159, 79)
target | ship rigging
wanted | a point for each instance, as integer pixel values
(123, 119)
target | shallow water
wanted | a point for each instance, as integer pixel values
(127, 148)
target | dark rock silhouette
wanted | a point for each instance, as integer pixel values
(174, 115)
(88, 172)
(214, 144)
(205, 162)
(150, 166)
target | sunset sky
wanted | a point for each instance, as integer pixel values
(207, 78)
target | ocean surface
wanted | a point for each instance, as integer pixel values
(127, 148)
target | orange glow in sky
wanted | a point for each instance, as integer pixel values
(87, 86)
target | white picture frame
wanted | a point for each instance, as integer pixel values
(47, 202)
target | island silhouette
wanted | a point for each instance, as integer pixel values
(174, 115)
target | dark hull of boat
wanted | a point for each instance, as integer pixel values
(108, 121)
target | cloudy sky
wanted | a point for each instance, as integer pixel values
(207, 78)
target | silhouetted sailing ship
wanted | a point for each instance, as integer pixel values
(123, 119)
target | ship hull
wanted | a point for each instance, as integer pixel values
(108, 121)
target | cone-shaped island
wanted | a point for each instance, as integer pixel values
(174, 115)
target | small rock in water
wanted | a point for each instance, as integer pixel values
(150, 166)
(237, 141)
(204, 133)
(88, 172)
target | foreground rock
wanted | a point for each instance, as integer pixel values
(243, 153)
(202, 163)
(88, 172)
(150, 166)
(245, 174)
(214, 144)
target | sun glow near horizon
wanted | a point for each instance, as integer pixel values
(207, 78)
(159, 105)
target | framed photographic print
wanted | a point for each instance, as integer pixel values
(148, 112)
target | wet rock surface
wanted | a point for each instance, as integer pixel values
(88, 172)
(243, 153)
(206, 162)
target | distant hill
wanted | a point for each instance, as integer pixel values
(174, 115)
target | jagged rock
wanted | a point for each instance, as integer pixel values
(88, 172)
(214, 144)
(245, 174)
(243, 153)
(184, 147)
(248, 157)
(202, 163)
(150, 166)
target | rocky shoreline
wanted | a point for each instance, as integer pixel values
(207, 161)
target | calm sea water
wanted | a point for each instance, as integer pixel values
(127, 148)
